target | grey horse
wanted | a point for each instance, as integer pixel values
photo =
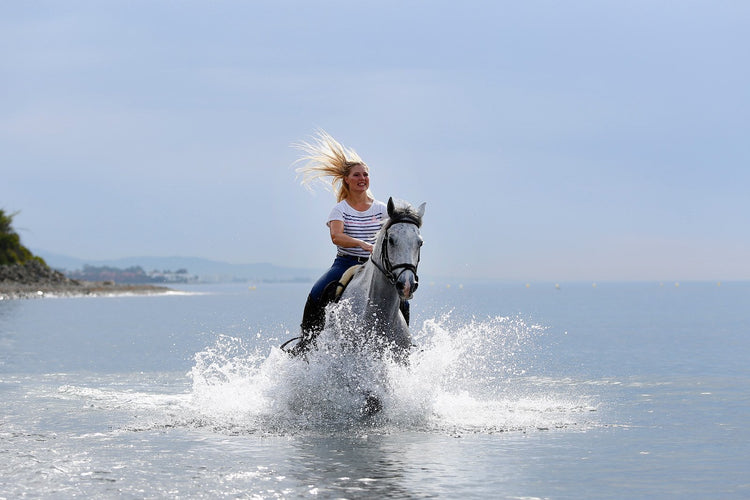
(367, 318)
(374, 295)
(370, 313)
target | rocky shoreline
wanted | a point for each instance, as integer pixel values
(34, 279)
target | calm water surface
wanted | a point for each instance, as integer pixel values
(614, 391)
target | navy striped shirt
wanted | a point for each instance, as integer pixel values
(361, 225)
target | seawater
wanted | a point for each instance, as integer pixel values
(627, 390)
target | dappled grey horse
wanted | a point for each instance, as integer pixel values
(369, 313)
(373, 296)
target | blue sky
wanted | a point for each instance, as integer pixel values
(550, 140)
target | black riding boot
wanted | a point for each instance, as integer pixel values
(405, 310)
(313, 320)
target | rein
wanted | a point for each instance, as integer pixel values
(385, 266)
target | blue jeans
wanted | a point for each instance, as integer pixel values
(339, 267)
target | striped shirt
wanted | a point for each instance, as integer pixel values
(361, 225)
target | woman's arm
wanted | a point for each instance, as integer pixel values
(344, 240)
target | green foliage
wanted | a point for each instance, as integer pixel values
(11, 249)
(6, 222)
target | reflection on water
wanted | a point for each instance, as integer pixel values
(615, 392)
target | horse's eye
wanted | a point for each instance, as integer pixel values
(391, 240)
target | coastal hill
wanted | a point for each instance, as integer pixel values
(206, 270)
(11, 250)
(23, 274)
(18, 265)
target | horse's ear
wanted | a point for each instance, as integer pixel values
(391, 207)
(420, 209)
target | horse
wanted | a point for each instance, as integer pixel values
(371, 301)
(376, 291)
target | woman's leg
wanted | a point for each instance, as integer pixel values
(313, 316)
(338, 268)
(406, 311)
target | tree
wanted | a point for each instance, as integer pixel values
(11, 249)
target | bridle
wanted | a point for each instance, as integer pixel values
(385, 266)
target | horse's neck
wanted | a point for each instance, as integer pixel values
(381, 291)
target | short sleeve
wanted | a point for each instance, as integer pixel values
(337, 213)
(382, 209)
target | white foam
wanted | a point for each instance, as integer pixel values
(465, 377)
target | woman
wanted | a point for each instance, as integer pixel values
(353, 222)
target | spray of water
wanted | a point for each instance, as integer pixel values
(461, 378)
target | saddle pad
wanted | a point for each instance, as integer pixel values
(345, 279)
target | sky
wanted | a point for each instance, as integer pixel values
(579, 140)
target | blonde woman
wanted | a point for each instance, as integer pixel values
(353, 222)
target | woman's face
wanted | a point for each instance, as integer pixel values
(358, 179)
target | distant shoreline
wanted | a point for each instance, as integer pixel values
(9, 290)
(34, 279)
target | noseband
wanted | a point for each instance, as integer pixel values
(385, 266)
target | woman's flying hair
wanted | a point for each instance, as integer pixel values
(326, 157)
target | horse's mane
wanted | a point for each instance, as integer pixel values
(403, 211)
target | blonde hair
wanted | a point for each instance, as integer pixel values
(326, 157)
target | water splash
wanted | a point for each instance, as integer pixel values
(463, 378)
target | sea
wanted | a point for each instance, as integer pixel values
(513, 390)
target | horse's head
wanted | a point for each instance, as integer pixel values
(400, 247)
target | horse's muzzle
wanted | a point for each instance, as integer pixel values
(406, 284)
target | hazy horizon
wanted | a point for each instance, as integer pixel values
(176, 261)
(552, 142)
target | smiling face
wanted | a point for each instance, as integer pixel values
(358, 179)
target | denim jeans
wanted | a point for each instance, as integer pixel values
(339, 267)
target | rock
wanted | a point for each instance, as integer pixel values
(35, 279)
(33, 272)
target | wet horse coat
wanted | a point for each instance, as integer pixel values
(368, 314)
(374, 294)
